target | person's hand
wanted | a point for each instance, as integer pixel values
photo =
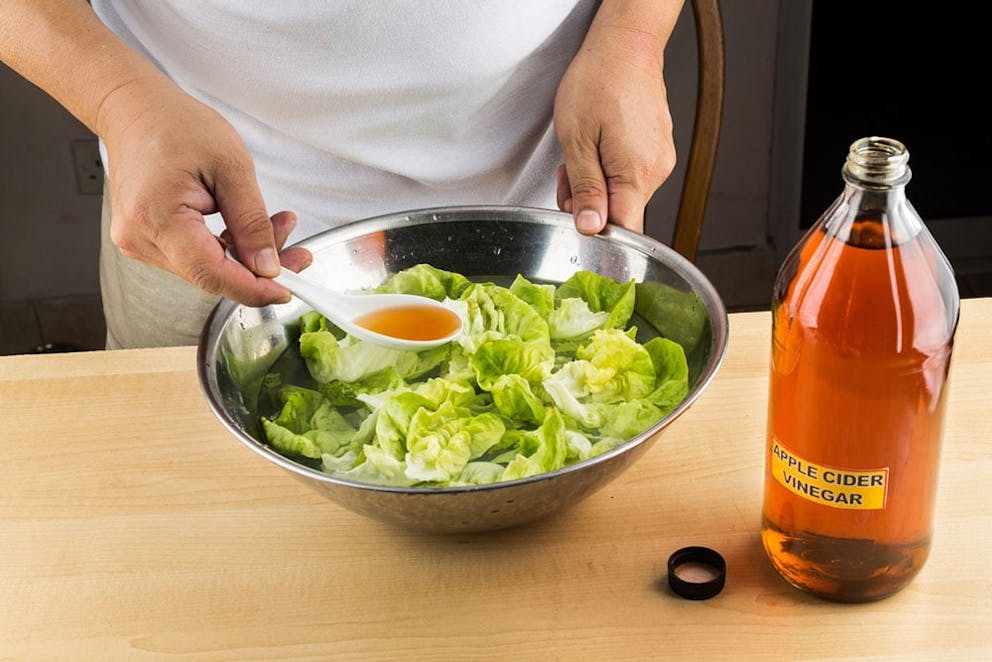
(173, 160)
(612, 120)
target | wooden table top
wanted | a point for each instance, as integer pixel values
(135, 526)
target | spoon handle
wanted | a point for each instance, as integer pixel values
(318, 297)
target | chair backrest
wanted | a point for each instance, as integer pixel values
(706, 128)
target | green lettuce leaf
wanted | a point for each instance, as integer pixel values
(479, 473)
(440, 443)
(540, 450)
(533, 361)
(346, 394)
(539, 297)
(428, 281)
(671, 373)
(513, 397)
(602, 294)
(573, 318)
(351, 360)
(493, 313)
(307, 425)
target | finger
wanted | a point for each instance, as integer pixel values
(564, 190)
(296, 258)
(587, 184)
(627, 207)
(195, 254)
(243, 210)
(283, 223)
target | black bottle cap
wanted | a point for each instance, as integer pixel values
(715, 571)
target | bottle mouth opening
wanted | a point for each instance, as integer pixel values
(877, 161)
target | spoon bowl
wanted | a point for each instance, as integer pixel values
(397, 321)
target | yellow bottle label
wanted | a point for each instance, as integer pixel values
(829, 486)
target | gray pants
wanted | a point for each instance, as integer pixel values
(145, 306)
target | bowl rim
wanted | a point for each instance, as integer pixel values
(220, 315)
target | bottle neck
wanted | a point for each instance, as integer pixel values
(873, 216)
(877, 163)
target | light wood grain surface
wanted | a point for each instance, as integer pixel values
(132, 525)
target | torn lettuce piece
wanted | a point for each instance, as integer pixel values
(539, 297)
(370, 465)
(492, 313)
(428, 281)
(609, 370)
(515, 399)
(579, 447)
(602, 294)
(479, 473)
(671, 373)
(626, 420)
(440, 443)
(345, 394)
(533, 361)
(573, 318)
(312, 321)
(614, 351)
(307, 425)
(350, 359)
(539, 451)
(395, 412)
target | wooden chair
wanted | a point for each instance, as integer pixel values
(706, 129)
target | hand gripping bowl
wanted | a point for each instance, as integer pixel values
(239, 344)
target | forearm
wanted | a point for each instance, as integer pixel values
(62, 47)
(637, 29)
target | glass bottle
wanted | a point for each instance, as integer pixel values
(864, 312)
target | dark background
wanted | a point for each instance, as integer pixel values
(918, 73)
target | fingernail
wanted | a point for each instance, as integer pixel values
(266, 262)
(587, 221)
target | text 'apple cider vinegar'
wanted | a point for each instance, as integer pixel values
(863, 318)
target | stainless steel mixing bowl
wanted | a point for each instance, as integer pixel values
(240, 344)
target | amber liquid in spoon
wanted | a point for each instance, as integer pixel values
(411, 322)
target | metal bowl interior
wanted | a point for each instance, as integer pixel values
(240, 344)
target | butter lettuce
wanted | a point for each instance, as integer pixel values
(308, 425)
(428, 281)
(541, 376)
(602, 295)
(540, 450)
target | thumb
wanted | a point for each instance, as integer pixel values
(587, 184)
(243, 210)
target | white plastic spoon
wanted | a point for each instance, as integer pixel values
(396, 321)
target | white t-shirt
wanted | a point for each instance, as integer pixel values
(354, 108)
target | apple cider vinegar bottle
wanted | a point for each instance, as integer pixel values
(864, 312)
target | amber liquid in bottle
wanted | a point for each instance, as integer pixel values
(864, 314)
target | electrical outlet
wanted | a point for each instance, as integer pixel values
(88, 165)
